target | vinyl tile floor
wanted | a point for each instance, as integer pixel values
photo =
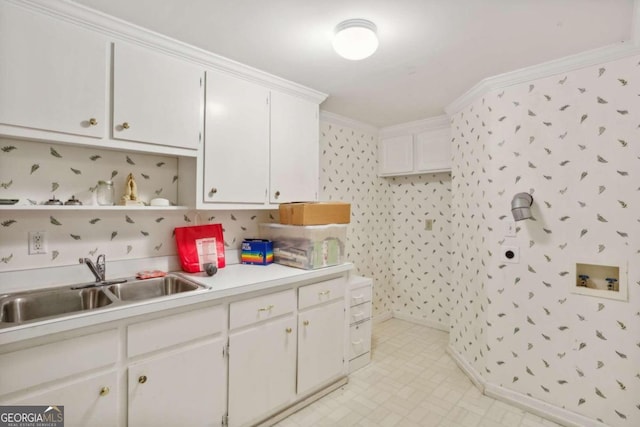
(411, 381)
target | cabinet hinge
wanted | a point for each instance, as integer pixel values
(225, 350)
(199, 136)
(200, 81)
(267, 100)
(225, 420)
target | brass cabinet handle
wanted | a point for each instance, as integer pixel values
(277, 194)
(142, 379)
(305, 323)
(324, 293)
(213, 191)
(104, 391)
(289, 330)
(93, 121)
(267, 308)
(125, 125)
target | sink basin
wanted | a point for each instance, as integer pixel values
(36, 305)
(152, 288)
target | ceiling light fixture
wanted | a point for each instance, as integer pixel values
(355, 39)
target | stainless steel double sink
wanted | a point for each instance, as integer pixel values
(23, 307)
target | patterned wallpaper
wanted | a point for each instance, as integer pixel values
(572, 141)
(421, 259)
(34, 171)
(348, 172)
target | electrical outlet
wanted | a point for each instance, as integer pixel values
(37, 242)
(428, 224)
(510, 254)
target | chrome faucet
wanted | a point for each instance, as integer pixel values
(98, 269)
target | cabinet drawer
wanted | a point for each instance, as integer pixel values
(155, 334)
(37, 365)
(360, 295)
(321, 292)
(255, 310)
(360, 312)
(360, 339)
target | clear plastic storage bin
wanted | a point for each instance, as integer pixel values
(306, 246)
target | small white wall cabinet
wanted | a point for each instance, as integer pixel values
(396, 155)
(236, 148)
(414, 148)
(295, 149)
(262, 357)
(53, 76)
(360, 295)
(156, 99)
(321, 323)
(185, 387)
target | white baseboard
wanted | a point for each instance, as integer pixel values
(522, 401)
(468, 370)
(382, 317)
(425, 322)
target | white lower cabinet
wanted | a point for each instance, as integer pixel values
(320, 345)
(186, 387)
(87, 402)
(262, 357)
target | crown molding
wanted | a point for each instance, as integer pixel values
(119, 30)
(417, 126)
(550, 68)
(337, 119)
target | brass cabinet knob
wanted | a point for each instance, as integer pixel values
(104, 391)
(289, 330)
(305, 323)
(93, 121)
(277, 194)
(125, 125)
(142, 379)
(213, 191)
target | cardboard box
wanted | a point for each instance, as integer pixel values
(315, 213)
(306, 246)
(257, 252)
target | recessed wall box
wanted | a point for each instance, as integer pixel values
(600, 280)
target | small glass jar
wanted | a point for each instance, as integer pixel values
(105, 193)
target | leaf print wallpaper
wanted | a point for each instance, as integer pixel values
(34, 171)
(348, 172)
(573, 142)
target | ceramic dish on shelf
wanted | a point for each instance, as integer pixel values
(9, 201)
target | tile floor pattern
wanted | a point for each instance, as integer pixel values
(411, 381)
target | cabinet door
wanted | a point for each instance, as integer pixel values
(396, 155)
(321, 333)
(295, 149)
(236, 148)
(87, 402)
(52, 74)
(156, 98)
(262, 370)
(186, 388)
(433, 151)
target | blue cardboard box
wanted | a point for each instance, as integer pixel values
(257, 252)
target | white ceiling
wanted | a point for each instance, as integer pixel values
(431, 51)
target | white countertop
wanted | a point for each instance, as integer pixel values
(230, 281)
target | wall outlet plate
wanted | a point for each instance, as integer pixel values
(510, 254)
(428, 224)
(37, 242)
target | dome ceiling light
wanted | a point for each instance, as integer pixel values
(355, 39)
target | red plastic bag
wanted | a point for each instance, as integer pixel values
(199, 245)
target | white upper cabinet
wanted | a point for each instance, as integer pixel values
(416, 147)
(295, 149)
(396, 155)
(432, 151)
(236, 148)
(53, 75)
(156, 98)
